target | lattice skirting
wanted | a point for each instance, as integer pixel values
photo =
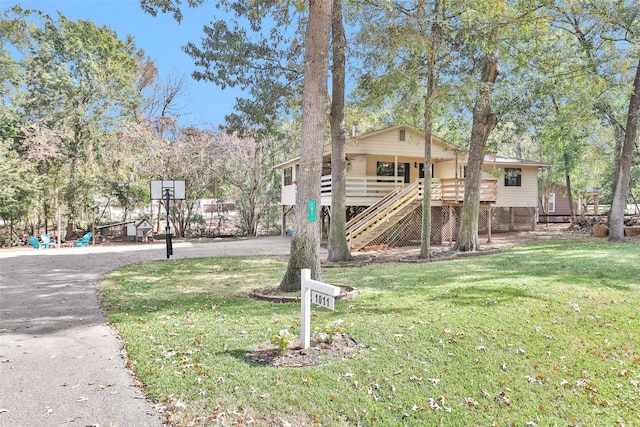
(445, 225)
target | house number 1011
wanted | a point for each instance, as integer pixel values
(323, 300)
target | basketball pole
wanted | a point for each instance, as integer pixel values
(167, 229)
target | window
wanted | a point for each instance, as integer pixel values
(512, 177)
(421, 170)
(463, 170)
(552, 202)
(386, 169)
(402, 135)
(288, 176)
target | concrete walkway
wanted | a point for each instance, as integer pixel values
(61, 364)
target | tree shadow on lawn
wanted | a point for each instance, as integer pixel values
(465, 296)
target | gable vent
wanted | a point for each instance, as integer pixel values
(402, 135)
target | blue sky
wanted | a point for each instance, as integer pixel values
(161, 38)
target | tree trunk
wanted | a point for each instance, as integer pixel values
(618, 135)
(338, 248)
(484, 121)
(619, 202)
(305, 242)
(567, 176)
(436, 33)
(425, 238)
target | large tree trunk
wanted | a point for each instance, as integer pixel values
(436, 34)
(305, 242)
(425, 238)
(619, 202)
(338, 248)
(484, 121)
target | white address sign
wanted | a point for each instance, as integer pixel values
(323, 300)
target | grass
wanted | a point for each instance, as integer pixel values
(547, 333)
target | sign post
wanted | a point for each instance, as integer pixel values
(317, 292)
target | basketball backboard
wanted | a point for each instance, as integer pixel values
(159, 189)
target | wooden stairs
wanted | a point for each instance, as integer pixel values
(381, 216)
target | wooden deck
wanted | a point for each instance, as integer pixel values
(367, 190)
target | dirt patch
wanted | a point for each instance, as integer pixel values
(498, 242)
(341, 348)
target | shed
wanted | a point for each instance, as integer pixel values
(142, 230)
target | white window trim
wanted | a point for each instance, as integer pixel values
(552, 202)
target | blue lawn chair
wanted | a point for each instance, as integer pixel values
(35, 243)
(84, 241)
(47, 241)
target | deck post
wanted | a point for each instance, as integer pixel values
(489, 224)
(451, 221)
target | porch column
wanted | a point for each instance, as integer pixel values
(395, 167)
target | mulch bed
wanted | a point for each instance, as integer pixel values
(272, 295)
(341, 348)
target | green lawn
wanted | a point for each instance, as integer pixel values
(547, 333)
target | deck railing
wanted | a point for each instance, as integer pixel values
(365, 190)
(363, 185)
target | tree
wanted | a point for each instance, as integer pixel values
(484, 121)
(619, 202)
(497, 24)
(305, 242)
(604, 32)
(338, 248)
(77, 82)
(249, 178)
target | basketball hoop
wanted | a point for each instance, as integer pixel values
(168, 190)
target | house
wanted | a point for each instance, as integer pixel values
(555, 206)
(384, 189)
(559, 208)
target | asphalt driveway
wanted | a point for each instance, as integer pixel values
(61, 364)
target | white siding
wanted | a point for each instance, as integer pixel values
(388, 144)
(445, 170)
(358, 166)
(524, 196)
(288, 195)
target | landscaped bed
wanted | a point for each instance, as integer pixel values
(543, 333)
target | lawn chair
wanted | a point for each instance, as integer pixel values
(47, 241)
(84, 241)
(35, 243)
